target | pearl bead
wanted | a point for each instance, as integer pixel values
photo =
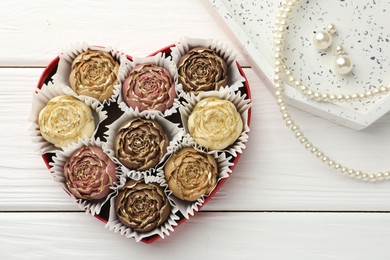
(303, 139)
(331, 28)
(380, 176)
(372, 177)
(322, 40)
(342, 64)
(351, 172)
(339, 50)
(308, 145)
(383, 90)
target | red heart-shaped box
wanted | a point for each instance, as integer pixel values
(103, 216)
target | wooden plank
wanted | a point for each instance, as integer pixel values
(226, 235)
(274, 173)
(35, 32)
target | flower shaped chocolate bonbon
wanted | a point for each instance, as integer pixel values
(94, 73)
(140, 143)
(64, 120)
(142, 206)
(149, 87)
(89, 173)
(191, 174)
(215, 123)
(201, 69)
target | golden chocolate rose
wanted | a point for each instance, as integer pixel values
(191, 174)
(90, 173)
(140, 144)
(142, 207)
(201, 69)
(94, 74)
(64, 120)
(215, 123)
(149, 87)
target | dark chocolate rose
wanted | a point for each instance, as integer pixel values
(191, 174)
(201, 69)
(89, 173)
(140, 144)
(149, 87)
(142, 207)
(94, 74)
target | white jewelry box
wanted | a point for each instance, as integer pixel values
(362, 29)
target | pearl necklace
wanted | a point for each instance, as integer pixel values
(279, 37)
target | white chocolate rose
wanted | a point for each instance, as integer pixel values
(64, 120)
(215, 123)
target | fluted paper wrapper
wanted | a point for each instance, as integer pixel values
(65, 64)
(174, 134)
(40, 100)
(59, 161)
(235, 79)
(241, 102)
(115, 225)
(188, 208)
(160, 60)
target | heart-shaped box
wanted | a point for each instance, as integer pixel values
(114, 112)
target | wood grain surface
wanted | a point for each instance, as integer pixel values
(280, 202)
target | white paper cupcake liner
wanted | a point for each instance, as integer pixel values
(242, 104)
(64, 68)
(235, 79)
(188, 208)
(116, 226)
(59, 161)
(40, 100)
(160, 60)
(172, 130)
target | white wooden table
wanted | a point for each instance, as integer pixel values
(280, 202)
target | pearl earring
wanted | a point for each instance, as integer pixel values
(342, 63)
(322, 40)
